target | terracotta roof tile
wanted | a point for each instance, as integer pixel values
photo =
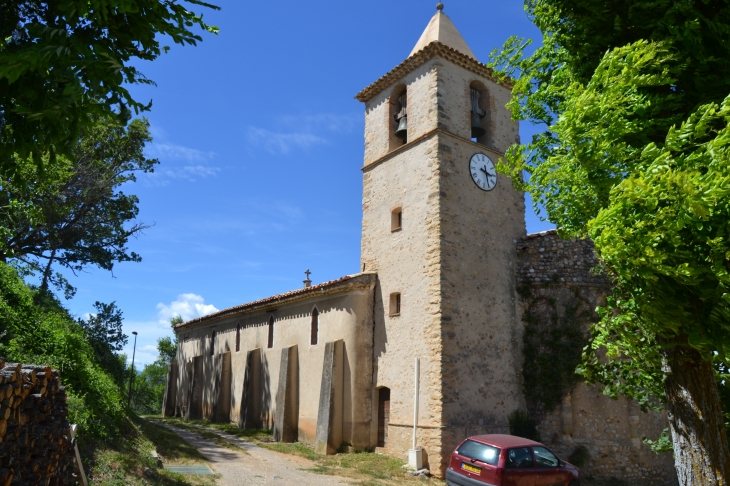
(421, 57)
(270, 300)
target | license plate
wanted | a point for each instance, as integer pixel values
(470, 468)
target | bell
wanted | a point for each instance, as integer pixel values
(476, 126)
(402, 131)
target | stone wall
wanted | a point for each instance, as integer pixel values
(558, 271)
(547, 258)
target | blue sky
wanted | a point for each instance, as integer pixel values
(260, 142)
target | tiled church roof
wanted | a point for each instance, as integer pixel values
(281, 298)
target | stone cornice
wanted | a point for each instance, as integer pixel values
(419, 59)
(358, 281)
(424, 137)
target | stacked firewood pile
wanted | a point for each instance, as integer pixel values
(35, 446)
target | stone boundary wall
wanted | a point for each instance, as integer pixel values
(546, 257)
(556, 271)
(35, 443)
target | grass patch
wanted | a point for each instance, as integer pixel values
(194, 426)
(368, 468)
(374, 466)
(127, 459)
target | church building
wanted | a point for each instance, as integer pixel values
(445, 261)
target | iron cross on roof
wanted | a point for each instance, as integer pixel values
(307, 273)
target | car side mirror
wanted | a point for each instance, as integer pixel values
(561, 463)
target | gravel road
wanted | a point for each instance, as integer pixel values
(255, 466)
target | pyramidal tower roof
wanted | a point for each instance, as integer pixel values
(442, 29)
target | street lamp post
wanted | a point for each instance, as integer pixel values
(131, 379)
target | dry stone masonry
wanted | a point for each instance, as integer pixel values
(546, 257)
(35, 446)
(554, 275)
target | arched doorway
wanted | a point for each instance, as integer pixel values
(383, 416)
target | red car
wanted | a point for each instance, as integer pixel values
(506, 460)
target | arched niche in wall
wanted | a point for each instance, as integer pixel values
(479, 113)
(398, 117)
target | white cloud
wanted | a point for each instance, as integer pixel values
(187, 306)
(305, 131)
(281, 143)
(323, 121)
(177, 161)
(189, 173)
(171, 151)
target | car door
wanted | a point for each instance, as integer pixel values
(519, 467)
(549, 472)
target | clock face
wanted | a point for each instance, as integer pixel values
(483, 172)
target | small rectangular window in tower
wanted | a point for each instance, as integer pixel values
(315, 327)
(271, 332)
(396, 219)
(394, 304)
(238, 337)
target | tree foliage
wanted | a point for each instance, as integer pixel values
(64, 60)
(35, 328)
(666, 238)
(104, 332)
(74, 213)
(148, 389)
(634, 97)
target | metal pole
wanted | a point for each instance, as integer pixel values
(131, 379)
(415, 402)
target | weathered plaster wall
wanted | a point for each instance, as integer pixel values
(560, 270)
(346, 316)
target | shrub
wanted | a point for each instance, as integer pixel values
(522, 425)
(35, 328)
(579, 457)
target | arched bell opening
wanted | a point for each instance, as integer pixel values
(398, 117)
(479, 112)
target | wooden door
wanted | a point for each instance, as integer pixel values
(383, 416)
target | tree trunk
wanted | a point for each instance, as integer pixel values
(47, 271)
(701, 454)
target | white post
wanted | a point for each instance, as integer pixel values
(415, 456)
(415, 402)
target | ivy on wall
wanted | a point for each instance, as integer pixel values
(556, 331)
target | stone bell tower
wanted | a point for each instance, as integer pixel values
(439, 228)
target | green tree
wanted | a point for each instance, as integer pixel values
(35, 328)
(64, 60)
(167, 347)
(148, 389)
(635, 155)
(104, 332)
(74, 213)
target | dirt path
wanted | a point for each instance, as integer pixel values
(255, 465)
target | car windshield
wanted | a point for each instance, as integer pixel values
(480, 452)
